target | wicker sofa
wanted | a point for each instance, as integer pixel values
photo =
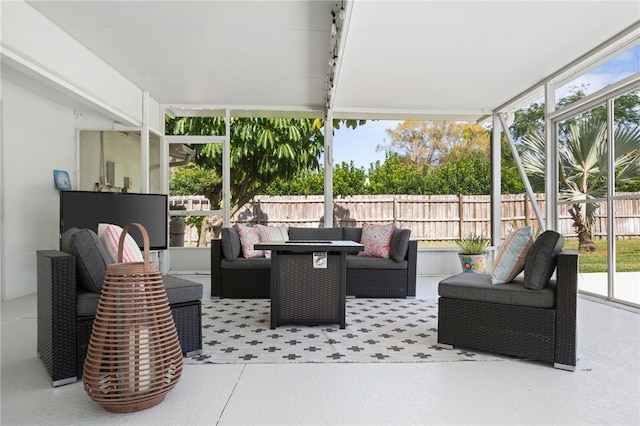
(66, 310)
(233, 276)
(512, 318)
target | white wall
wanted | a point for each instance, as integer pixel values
(36, 45)
(38, 136)
(39, 132)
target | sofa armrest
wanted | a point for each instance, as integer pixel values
(566, 307)
(56, 276)
(412, 260)
(216, 257)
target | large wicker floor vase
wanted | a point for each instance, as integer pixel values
(134, 356)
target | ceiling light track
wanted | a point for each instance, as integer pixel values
(338, 20)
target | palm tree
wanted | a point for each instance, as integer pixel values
(583, 167)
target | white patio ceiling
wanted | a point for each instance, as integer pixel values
(400, 59)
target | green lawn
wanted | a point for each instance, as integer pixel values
(627, 256)
(627, 259)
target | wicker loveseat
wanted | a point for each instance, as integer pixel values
(66, 308)
(512, 318)
(233, 276)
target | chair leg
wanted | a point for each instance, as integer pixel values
(564, 366)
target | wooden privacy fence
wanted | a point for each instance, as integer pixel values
(430, 217)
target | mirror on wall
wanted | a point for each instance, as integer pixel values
(110, 161)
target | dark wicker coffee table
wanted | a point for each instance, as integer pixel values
(308, 281)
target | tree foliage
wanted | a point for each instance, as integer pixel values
(192, 180)
(347, 180)
(262, 150)
(470, 175)
(475, 141)
(429, 143)
(395, 176)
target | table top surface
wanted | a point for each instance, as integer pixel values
(309, 245)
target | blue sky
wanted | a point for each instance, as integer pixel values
(360, 144)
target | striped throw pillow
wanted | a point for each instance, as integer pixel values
(109, 236)
(511, 256)
(272, 233)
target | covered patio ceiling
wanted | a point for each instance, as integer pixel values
(395, 59)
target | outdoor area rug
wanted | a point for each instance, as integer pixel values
(377, 330)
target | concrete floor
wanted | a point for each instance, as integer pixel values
(604, 389)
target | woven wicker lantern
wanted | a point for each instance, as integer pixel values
(134, 356)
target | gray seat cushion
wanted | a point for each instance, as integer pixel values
(368, 262)
(178, 290)
(242, 263)
(325, 234)
(91, 257)
(478, 287)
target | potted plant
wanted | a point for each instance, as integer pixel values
(474, 253)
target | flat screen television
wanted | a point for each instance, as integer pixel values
(86, 209)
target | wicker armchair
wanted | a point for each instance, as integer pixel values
(531, 324)
(66, 314)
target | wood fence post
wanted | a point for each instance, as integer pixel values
(460, 216)
(395, 210)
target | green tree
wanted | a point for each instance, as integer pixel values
(468, 175)
(347, 180)
(424, 143)
(262, 150)
(583, 167)
(475, 140)
(305, 183)
(192, 179)
(395, 176)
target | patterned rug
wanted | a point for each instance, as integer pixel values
(377, 330)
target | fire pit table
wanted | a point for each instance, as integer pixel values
(308, 280)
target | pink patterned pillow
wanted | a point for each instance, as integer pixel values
(376, 240)
(272, 233)
(109, 236)
(248, 237)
